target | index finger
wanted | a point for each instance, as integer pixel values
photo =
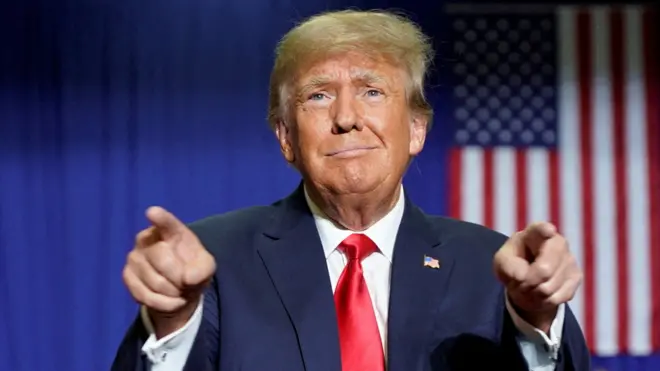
(536, 234)
(165, 222)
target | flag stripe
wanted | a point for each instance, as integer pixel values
(473, 185)
(585, 76)
(638, 300)
(537, 187)
(620, 179)
(523, 188)
(554, 191)
(652, 77)
(570, 153)
(506, 191)
(607, 290)
(489, 189)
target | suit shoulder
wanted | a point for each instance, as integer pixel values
(234, 218)
(235, 225)
(468, 234)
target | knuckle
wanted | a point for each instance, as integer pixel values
(164, 262)
(555, 244)
(126, 275)
(153, 301)
(546, 289)
(160, 304)
(208, 261)
(556, 300)
(150, 302)
(191, 276)
(161, 285)
(544, 270)
(570, 260)
(134, 258)
(136, 290)
(571, 295)
(574, 282)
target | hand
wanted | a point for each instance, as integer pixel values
(539, 272)
(167, 271)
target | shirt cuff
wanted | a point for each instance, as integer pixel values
(171, 350)
(550, 342)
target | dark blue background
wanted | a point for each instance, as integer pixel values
(108, 107)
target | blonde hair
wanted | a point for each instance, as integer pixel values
(378, 34)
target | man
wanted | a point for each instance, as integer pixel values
(346, 273)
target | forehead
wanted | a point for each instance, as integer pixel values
(349, 67)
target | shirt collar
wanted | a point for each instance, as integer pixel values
(383, 232)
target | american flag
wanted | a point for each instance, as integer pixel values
(556, 113)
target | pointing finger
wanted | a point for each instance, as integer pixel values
(166, 223)
(536, 234)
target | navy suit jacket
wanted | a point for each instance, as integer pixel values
(270, 305)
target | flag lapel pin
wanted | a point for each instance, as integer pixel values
(431, 262)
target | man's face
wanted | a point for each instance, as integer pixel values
(351, 129)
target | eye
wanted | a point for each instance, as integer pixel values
(374, 93)
(316, 96)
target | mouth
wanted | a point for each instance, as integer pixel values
(350, 152)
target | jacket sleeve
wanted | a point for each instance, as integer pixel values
(129, 354)
(203, 354)
(573, 353)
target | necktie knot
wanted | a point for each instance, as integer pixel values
(357, 246)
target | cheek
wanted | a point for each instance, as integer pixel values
(398, 130)
(311, 128)
(311, 118)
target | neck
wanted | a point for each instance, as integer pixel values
(355, 212)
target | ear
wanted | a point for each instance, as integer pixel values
(283, 136)
(418, 127)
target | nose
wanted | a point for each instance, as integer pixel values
(347, 115)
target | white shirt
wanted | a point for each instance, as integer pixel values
(171, 352)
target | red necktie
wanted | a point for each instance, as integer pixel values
(360, 343)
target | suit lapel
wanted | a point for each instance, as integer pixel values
(416, 290)
(293, 255)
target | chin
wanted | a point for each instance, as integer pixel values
(357, 188)
(356, 183)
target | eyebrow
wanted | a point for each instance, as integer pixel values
(363, 76)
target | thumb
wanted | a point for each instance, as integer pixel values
(165, 222)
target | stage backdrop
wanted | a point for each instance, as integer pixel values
(108, 107)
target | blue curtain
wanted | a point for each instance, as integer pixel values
(108, 107)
